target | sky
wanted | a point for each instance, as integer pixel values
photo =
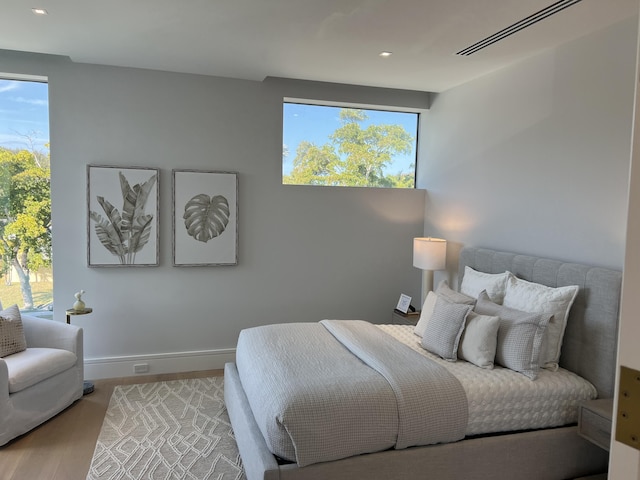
(315, 123)
(24, 114)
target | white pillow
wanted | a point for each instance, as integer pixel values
(479, 340)
(425, 314)
(536, 298)
(473, 282)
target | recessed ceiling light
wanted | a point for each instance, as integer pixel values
(385, 54)
(39, 11)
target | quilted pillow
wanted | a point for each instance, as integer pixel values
(534, 297)
(444, 329)
(520, 336)
(473, 282)
(12, 338)
(479, 340)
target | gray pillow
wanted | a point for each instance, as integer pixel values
(520, 336)
(451, 296)
(479, 340)
(12, 338)
(444, 329)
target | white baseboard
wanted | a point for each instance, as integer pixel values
(175, 362)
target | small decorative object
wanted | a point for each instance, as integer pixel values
(205, 218)
(404, 303)
(122, 221)
(79, 305)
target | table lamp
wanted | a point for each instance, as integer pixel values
(429, 254)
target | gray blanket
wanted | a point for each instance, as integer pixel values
(334, 389)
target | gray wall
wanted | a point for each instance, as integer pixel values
(305, 253)
(535, 158)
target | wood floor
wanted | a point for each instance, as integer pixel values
(62, 448)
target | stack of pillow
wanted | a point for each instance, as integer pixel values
(497, 318)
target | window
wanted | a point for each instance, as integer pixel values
(25, 200)
(347, 146)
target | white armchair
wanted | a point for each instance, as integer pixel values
(42, 380)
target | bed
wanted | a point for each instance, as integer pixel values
(558, 452)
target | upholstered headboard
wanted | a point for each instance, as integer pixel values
(591, 337)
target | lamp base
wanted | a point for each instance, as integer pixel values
(88, 388)
(427, 282)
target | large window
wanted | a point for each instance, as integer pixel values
(25, 200)
(346, 146)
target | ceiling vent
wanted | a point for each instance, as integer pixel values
(516, 27)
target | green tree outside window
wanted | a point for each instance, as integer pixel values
(354, 155)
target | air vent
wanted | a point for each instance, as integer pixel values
(516, 27)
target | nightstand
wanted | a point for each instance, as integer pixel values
(88, 386)
(410, 318)
(594, 421)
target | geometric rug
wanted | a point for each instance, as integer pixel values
(171, 430)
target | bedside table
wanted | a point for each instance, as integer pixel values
(594, 421)
(400, 318)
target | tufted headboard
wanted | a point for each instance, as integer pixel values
(591, 337)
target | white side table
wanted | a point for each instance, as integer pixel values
(88, 386)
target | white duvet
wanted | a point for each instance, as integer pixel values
(503, 400)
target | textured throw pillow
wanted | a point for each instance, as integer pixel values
(451, 296)
(444, 329)
(534, 297)
(520, 336)
(11, 332)
(479, 340)
(425, 314)
(473, 282)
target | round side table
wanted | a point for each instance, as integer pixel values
(88, 386)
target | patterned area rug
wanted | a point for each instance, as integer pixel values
(167, 430)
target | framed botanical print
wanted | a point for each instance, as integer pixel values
(205, 218)
(122, 220)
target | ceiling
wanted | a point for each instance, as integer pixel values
(325, 40)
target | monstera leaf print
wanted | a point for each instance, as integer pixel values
(206, 217)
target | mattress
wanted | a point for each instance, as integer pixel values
(502, 400)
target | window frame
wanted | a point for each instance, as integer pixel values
(360, 106)
(47, 310)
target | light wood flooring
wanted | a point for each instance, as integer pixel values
(62, 448)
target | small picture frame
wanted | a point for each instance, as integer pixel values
(404, 303)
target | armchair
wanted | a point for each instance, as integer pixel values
(42, 380)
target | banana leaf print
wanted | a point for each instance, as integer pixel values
(125, 233)
(206, 217)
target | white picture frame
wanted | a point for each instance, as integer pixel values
(403, 303)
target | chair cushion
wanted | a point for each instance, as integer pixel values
(33, 365)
